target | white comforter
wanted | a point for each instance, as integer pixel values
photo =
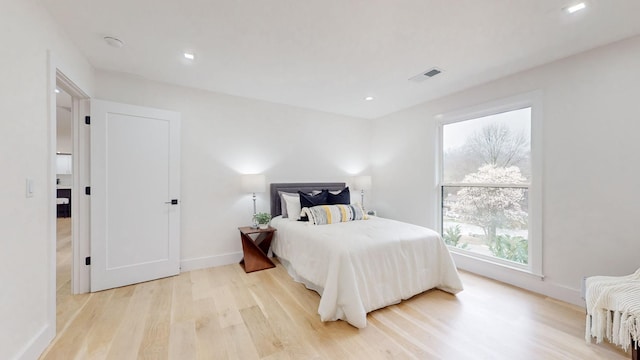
(361, 266)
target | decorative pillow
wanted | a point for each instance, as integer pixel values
(283, 202)
(339, 197)
(331, 214)
(307, 200)
(291, 206)
(315, 199)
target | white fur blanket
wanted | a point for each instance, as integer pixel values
(613, 308)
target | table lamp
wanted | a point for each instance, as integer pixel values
(362, 183)
(253, 183)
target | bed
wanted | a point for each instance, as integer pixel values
(359, 266)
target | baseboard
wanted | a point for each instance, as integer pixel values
(210, 261)
(520, 279)
(34, 348)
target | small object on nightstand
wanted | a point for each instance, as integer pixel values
(256, 250)
(262, 219)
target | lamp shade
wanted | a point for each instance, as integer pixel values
(253, 183)
(362, 182)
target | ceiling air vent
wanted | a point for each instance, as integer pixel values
(426, 75)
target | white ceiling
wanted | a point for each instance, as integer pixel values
(329, 54)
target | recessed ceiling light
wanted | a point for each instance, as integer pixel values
(114, 41)
(57, 91)
(576, 7)
(189, 56)
(369, 98)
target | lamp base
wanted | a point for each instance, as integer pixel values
(253, 218)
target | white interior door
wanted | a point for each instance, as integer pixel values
(135, 177)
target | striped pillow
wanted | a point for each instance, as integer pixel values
(331, 214)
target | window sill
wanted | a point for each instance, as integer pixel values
(482, 265)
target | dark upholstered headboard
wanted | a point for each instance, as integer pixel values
(294, 188)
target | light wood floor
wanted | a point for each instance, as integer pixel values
(223, 313)
(67, 304)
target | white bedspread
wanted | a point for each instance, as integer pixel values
(361, 266)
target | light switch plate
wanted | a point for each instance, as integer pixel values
(29, 187)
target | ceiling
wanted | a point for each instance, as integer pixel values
(329, 55)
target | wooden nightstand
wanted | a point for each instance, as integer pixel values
(256, 250)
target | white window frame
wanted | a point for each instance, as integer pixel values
(534, 101)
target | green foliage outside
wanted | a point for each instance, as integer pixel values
(452, 236)
(514, 248)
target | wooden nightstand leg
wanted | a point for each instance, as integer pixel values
(263, 241)
(254, 259)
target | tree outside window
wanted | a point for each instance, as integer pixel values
(486, 178)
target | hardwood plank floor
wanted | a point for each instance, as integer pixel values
(223, 313)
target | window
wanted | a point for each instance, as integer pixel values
(487, 207)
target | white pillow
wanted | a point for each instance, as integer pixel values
(283, 204)
(293, 206)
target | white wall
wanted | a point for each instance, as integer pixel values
(591, 152)
(28, 237)
(224, 136)
(64, 131)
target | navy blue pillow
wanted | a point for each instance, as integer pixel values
(307, 200)
(343, 197)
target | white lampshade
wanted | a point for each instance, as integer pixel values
(362, 182)
(254, 183)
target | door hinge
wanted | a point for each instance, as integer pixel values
(87, 260)
(87, 120)
(87, 190)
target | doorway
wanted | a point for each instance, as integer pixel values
(75, 176)
(64, 186)
(71, 220)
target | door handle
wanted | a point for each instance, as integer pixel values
(172, 202)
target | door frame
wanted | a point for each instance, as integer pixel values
(80, 221)
(54, 73)
(80, 224)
